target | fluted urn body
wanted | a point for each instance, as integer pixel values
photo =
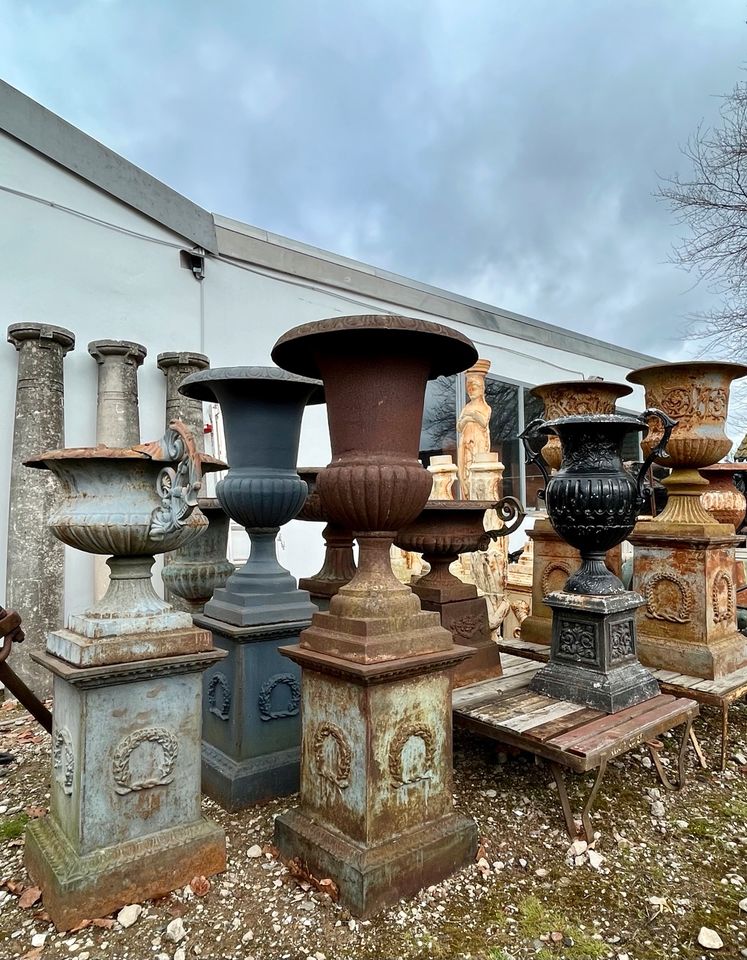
(723, 499)
(130, 503)
(339, 563)
(696, 395)
(375, 369)
(568, 398)
(262, 409)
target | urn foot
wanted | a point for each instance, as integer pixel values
(371, 878)
(80, 886)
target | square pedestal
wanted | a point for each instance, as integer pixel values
(554, 561)
(686, 576)
(251, 715)
(593, 654)
(125, 821)
(376, 811)
(468, 622)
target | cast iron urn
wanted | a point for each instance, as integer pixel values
(593, 504)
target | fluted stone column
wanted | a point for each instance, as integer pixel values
(176, 366)
(117, 410)
(36, 560)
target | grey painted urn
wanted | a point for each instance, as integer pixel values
(262, 410)
(130, 503)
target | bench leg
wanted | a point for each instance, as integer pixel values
(570, 822)
(655, 745)
(724, 735)
(698, 749)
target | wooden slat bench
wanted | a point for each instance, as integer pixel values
(568, 736)
(720, 693)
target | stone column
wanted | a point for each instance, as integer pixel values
(117, 411)
(176, 366)
(36, 560)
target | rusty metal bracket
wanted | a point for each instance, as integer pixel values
(10, 630)
(654, 746)
(558, 773)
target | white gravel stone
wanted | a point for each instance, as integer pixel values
(129, 915)
(38, 939)
(175, 930)
(254, 852)
(709, 939)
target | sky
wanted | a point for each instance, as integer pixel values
(507, 150)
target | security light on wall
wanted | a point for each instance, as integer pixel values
(193, 260)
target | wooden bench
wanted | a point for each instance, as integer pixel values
(720, 693)
(567, 736)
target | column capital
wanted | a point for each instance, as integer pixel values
(184, 358)
(131, 352)
(20, 333)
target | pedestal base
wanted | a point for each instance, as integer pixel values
(82, 651)
(468, 622)
(371, 878)
(593, 655)
(251, 715)
(78, 887)
(125, 820)
(685, 573)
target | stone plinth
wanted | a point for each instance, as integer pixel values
(468, 622)
(554, 561)
(252, 715)
(125, 823)
(402, 774)
(686, 575)
(593, 657)
(35, 570)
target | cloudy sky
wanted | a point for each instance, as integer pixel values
(504, 149)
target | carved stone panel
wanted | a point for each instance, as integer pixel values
(219, 695)
(411, 755)
(293, 701)
(332, 755)
(63, 759)
(144, 759)
(554, 576)
(621, 640)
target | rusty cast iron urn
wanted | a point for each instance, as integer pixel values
(725, 502)
(376, 809)
(441, 532)
(339, 563)
(252, 723)
(125, 803)
(593, 503)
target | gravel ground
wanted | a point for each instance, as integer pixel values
(663, 866)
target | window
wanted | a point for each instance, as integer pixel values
(439, 433)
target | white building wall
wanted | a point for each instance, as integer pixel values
(101, 282)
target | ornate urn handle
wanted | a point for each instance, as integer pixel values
(512, 513)
(177, 488)
(660, 450)
(529, 433)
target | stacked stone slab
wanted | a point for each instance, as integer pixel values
(36, 560)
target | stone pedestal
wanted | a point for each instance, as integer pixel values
(252, 715)
(125, 823)
(685, 573)
(176, 367)
(554, 561)
(376, 810)
(468, 622)
(35, 572)
(593, 657)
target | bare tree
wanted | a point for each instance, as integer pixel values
(712, 202)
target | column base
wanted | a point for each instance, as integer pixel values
(236, 784)
(372, 878)
(80, 887)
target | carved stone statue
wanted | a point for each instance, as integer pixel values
(474, 423)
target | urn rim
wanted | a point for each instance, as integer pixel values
(450, 351)
(101, 451)
(198, 386)
(641, 375)
(609, 386)
(548, 428)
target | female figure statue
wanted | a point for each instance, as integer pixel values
(473, 424)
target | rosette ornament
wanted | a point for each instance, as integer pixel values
(262, 409)
(696, 395)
